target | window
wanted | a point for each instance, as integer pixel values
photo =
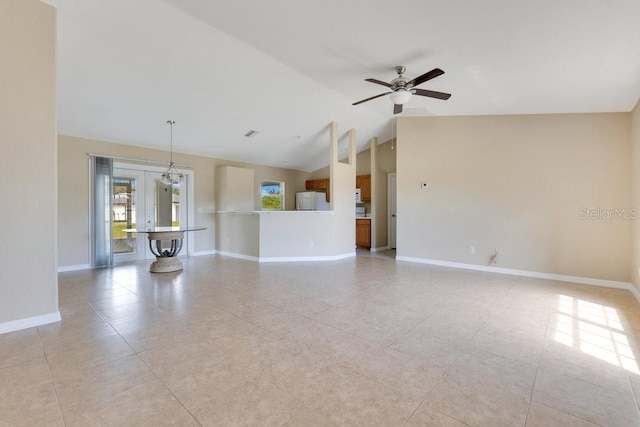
(272, 195)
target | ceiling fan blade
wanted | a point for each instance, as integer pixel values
(380, 82)
(397, 108)
(426, 76)
(369, 99)
(431, 93)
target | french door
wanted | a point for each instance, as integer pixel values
(142, 200)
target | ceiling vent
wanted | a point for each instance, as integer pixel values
(251, 133)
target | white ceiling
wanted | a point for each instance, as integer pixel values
(287, 68)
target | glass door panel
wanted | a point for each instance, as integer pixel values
(127, 208)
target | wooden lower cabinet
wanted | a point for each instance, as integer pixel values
(363, 233)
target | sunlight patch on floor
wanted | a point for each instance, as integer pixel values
(595, 330)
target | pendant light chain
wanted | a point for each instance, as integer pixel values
(172, 175)
(171, 123)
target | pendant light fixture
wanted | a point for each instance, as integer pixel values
(172, 175)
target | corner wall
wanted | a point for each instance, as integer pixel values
(635, 195)
(29, 285)
(518, 184)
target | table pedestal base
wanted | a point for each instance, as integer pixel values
(165, 265)
(166, 257)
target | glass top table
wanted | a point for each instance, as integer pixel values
(166, 257)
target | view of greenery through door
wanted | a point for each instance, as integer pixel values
(124, 214)
(124, 211)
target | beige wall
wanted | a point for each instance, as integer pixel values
(73, 178)
(238, 233)
(635, 194)
(517, 184)
(235, 189)
(363, 162)
(29, 285)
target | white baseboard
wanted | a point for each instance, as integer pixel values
(73, 267)
(535, 274)
(379, 248)
(634, 291)
(29, 322)
(203, 253)
(287, 259)
(307, 258)
(236, 255)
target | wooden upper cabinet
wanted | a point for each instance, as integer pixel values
(318, 185)
(363, 182)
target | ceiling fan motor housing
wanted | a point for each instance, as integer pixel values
(400, 81)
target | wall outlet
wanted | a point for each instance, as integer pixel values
(228, 241)
(310, 243)
(472, 250)
(424, 185)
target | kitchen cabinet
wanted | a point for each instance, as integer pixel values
(318, 185)
(363, 182)
(363, 232)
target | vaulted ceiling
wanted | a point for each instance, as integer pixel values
(286, 68)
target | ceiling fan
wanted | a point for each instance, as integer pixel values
(402, 88)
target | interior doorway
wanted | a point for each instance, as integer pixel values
(391, 210)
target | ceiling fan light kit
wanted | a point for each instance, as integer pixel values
(400, 96)
(402, 89)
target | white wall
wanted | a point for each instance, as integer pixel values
(343, 182)
(297, 234)
(29, 285)
(517, 184)
(278, 235)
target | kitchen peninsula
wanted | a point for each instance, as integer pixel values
(274, 235)
(269, 236)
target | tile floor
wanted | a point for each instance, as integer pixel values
(363, 341)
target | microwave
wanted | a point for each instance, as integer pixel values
(358, 195)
